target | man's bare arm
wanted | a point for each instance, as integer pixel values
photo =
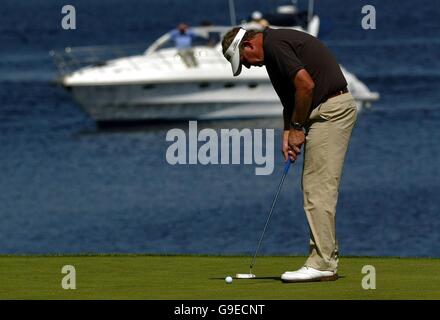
(304, 86)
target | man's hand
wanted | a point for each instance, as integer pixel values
(292, 143)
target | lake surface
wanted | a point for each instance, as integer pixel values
(68, 187)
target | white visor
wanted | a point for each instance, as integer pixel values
(233, 52)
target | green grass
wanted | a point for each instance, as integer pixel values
(202, 277)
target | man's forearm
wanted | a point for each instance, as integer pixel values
(303, 101)
(304, 86)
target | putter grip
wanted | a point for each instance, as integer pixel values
(287, 166)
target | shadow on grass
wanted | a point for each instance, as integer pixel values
(253, 279)
(271, 278)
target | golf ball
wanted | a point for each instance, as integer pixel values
(228, 279)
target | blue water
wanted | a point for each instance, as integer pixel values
(67, 187)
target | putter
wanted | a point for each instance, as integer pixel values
(250, 275)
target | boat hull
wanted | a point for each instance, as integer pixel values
(141, 102)
(137, 102)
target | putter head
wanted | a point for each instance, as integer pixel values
(245, 276)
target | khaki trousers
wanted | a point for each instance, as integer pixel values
(329, 130)
(188, 58)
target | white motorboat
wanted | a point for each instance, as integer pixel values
(158, 85)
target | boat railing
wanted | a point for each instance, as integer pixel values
(71, 59)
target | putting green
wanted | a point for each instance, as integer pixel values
(202, 277)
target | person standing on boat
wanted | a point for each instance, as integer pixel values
(318, 113)
(183, 37)
(258, 21)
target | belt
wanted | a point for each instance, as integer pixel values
(337, 93)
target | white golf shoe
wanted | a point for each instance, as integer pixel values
(308, 274)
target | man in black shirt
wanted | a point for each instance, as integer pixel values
(319, 112)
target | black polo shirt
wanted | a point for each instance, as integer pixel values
(286, 52)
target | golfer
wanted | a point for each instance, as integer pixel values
(318, 113)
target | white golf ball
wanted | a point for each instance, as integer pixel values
(228, 279)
